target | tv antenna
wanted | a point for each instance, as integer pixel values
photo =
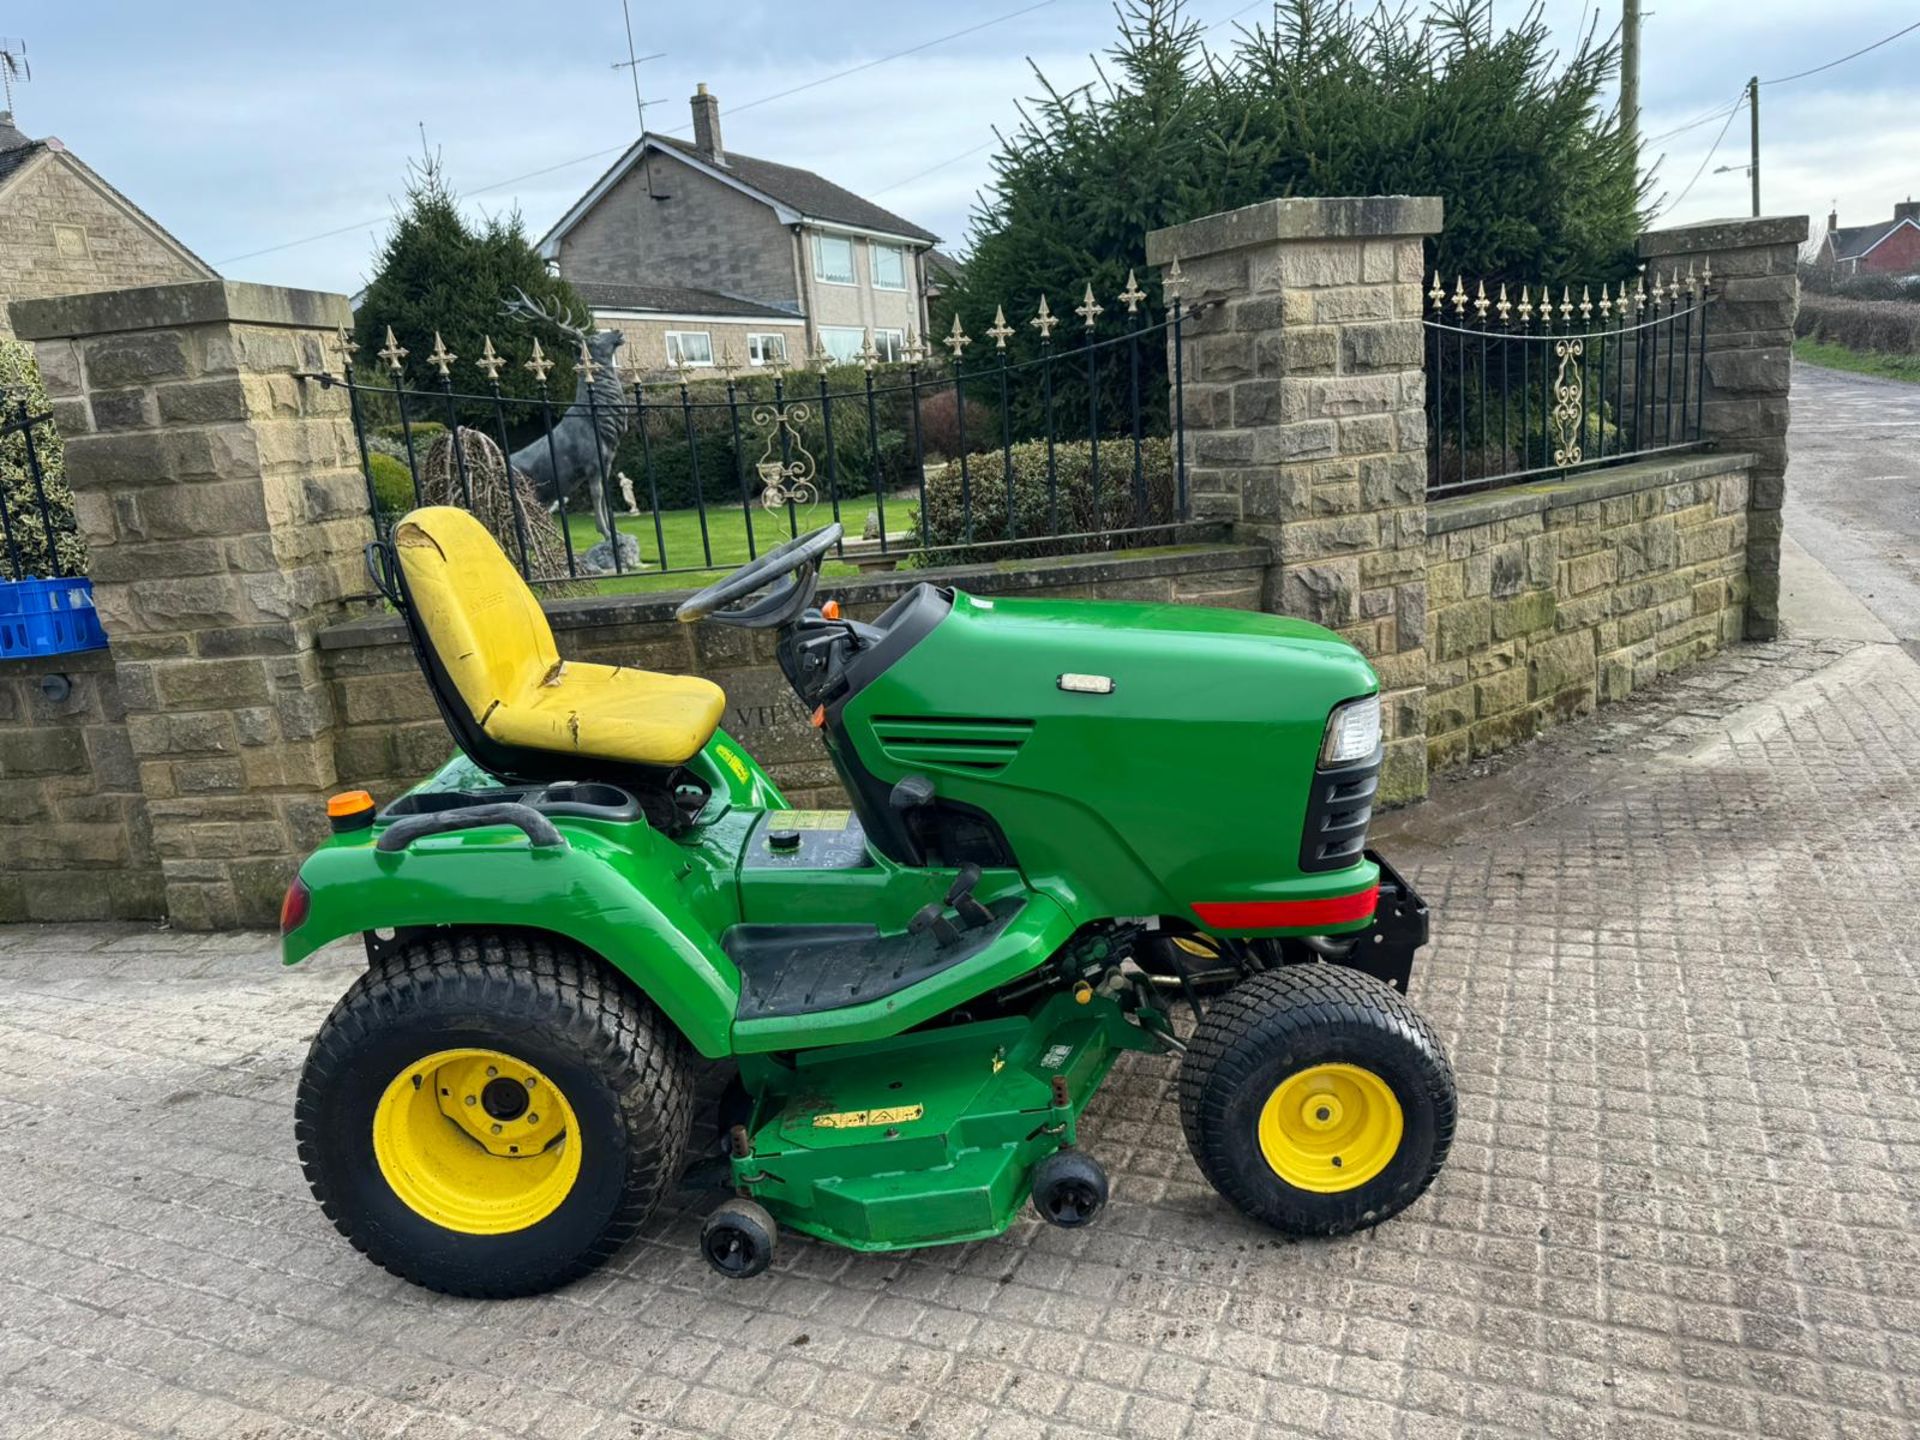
(13, 66)
(632, 66)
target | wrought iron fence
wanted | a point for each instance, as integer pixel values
(37, 534)
(1522, 390)
(689, 469)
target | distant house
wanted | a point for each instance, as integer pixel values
(1886, 247)
(64, 230)
(697, 253)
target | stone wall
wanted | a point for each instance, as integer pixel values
(1546, 600)
(222, 502)
(63, 231)
(75, 841)
(388, 734)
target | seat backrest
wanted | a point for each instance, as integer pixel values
(483, 621)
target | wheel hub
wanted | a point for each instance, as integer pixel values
(1330, 1128)
(477, 1141)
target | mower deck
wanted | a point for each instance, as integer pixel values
(928, 1138)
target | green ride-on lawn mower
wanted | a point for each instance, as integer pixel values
(1067, 817)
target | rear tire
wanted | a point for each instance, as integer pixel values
(1316, 1099)
(543, 1045)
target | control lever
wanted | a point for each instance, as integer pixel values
(910, 792)
(933, 916)
(960, 896)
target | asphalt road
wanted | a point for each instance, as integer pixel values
(1853, 487)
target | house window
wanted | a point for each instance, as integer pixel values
(889, 267)
(892, 345)
(833, 259)
(844, 342)
(767, 349)
(689, 347)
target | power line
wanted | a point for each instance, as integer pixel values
(1707, 119)
(1884, 40)
(618, 149)
(1706, 162)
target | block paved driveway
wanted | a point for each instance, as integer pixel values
(1675, 964)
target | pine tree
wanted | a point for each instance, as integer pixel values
(439, 273)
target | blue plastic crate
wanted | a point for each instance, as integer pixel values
(48, 617)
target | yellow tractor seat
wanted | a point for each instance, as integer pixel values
(483, 636)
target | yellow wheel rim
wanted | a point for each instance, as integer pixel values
(1330, 1128)
(477, 1141)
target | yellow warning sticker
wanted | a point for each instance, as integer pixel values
(809, 819)
(733, 762)
(858, 1119)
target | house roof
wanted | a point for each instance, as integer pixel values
(1850, 242)
(18, 150)
(801, 193)
(676, 300)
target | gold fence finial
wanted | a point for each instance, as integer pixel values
(1173, 281)
(586, 364)
(957, 339)
(441, 358)
(1090, 309)
(822, 357)
(394, 352)
(1504, 308)
(1438, 294)
(869, 356)
(1706, 274)
(1586, 303)
(346, 346)
(729, 362)
(1133, 294)
(489, 362)
(1000, 329)
(1044, 320)
(1480, 302)
(538, 364)
(1606, 305)
(1459, 297)
(1526, 306)
(1566, 303)
(912, 352)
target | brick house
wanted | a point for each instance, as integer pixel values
(64, 230)
(1886, 247)
(696, 252)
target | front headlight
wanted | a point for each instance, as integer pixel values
(1353, 732)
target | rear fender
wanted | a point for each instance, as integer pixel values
(637, 911)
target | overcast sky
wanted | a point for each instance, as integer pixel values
(244, 126)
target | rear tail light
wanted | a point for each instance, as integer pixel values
(294, 909)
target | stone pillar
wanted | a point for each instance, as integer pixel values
(1305, 402)
(1748, 371)
(224, 510)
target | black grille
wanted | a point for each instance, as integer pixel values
(1338, 810)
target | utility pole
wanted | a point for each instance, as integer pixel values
(1630, 75)
(1753, 118)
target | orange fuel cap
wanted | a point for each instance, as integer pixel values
(350, 810)
(819, 716)
(831, 610)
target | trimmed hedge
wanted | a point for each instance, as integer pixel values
(1890, 327)
(967, 516)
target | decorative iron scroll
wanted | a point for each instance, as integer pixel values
(1567, 398)
(786, 478)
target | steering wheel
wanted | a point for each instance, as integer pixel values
(798, 560)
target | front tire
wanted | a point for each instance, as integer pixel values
(492, 1114)
(1316, 1099)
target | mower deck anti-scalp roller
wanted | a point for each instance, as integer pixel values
(1066, 819)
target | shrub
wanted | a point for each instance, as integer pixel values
(20, 385)
(940, 424)
(1891, 327)
(968, 517)
(392, 483)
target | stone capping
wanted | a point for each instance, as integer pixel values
(1052, 574)
(166, 307)
(1713, 236)
(1298, 218)
(1488, 507)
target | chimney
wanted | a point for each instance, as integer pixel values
(706, 125)
(1908, 209)
(1833, 220)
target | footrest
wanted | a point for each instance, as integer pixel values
(805, 969)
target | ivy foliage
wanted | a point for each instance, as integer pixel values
(1322, 98)
(28, 549)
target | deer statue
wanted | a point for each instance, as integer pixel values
(581, 444)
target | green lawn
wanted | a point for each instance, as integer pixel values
(725, 542)
(1861, 362)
